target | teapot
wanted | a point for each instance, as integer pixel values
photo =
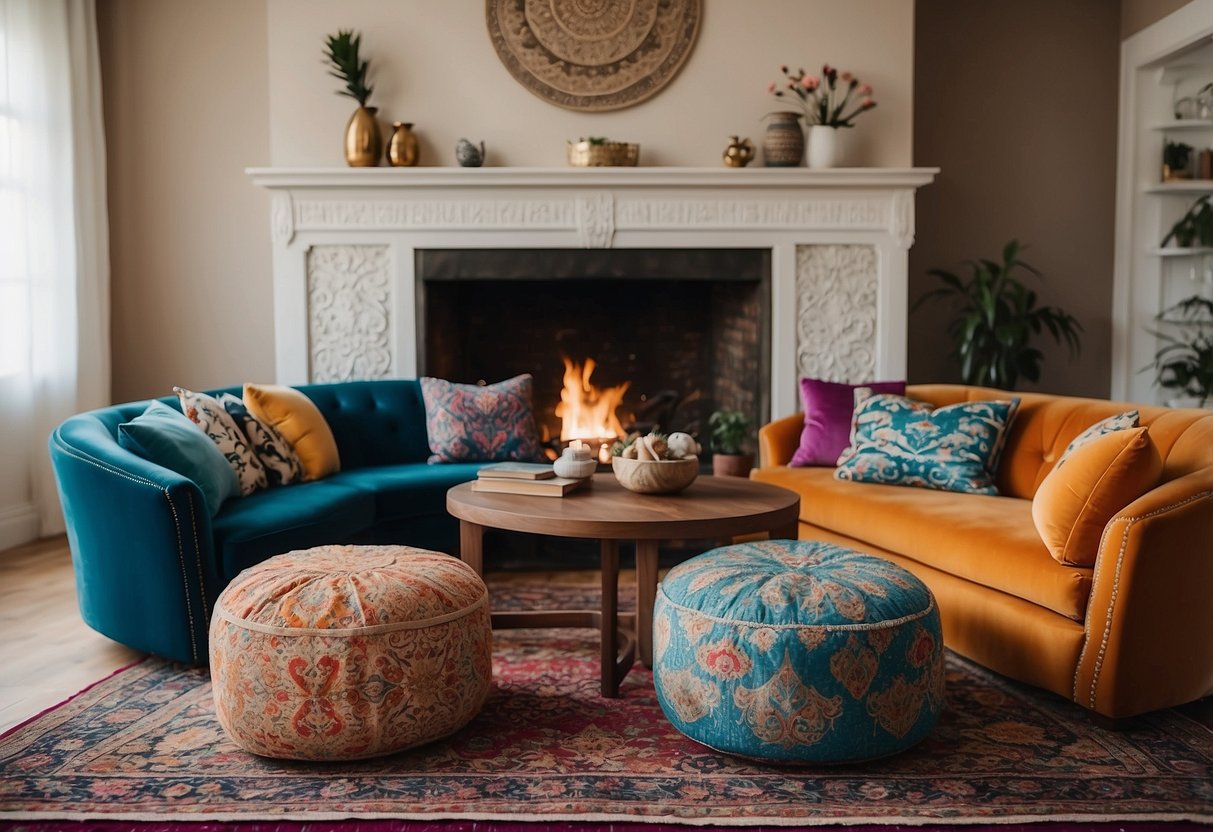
(739, 152)
(469, 155)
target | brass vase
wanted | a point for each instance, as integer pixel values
(402, 147)
(363, 141)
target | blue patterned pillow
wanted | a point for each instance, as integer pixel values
(899, 441)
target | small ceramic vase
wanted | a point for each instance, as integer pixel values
(783, 142)
(469, 155)
(824, 146)
(402, 149)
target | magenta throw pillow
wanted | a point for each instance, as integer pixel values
(828, 407)
(471, 423)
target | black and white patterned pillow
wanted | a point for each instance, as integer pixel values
(209, 414)
(281, 463)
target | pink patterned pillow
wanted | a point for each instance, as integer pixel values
(470, 423)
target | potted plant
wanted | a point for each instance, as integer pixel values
(729, 431)
(363, 141)
(1195, 228)
(1184, 363)
(830, 102)
(998, 318)
(1175, 156)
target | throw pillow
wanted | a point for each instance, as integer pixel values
(1104, 475)
(828, 407)
(899, 441)
(470, 423)
(209, 414)
(281, 463)
(297, 419)
(167, 438)
(1120, 421)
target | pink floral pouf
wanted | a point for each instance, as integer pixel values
(347, 652)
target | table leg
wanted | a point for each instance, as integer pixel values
(646, 592)
(791, 532)
(471, 545)
(609, 624)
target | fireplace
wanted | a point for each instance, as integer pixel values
(816, 264)
(685, 331)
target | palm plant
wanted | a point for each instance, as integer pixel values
(998, 318)
(342, 54)
(1185, 364)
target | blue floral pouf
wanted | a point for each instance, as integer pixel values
(798, 652)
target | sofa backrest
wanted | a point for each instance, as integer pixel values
(374, 422)
(1047, 423)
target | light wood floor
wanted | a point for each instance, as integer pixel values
(48, 653)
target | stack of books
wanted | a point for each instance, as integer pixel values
(523, 478)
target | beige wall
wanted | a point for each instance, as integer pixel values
(1136, 15)
(186, 94)
(433, 64)
(1016, 101)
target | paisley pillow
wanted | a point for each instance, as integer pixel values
(207, 413)
(899, 441)
(281, 463)
(470, 423)
(1121, 421)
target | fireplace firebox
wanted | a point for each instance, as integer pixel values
(687, 330)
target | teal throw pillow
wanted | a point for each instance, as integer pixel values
(899, 441)
(166, 437)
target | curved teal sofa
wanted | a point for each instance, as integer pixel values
(150, 561)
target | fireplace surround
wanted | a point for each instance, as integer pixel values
(347, 243)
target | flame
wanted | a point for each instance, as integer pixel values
(586, 411)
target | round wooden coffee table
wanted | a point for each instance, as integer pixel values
(712, 507)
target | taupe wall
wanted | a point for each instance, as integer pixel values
(186, 110)
(1136, 15)
(1016, 100)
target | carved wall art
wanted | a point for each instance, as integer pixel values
(593, 55)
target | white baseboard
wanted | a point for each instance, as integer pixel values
(18, 524)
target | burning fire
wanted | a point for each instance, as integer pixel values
(586, 411)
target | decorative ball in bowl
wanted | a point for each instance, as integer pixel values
(655, 476)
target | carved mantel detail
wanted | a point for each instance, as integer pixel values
(349, 316)
(836, 312)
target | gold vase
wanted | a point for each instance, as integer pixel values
(402, 149)
(363, 141)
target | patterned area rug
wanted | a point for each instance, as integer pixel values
(143, 745)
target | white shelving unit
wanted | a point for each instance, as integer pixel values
(1160, 65)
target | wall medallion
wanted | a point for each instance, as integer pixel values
(593, 55)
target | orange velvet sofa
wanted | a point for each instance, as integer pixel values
(1130, 635)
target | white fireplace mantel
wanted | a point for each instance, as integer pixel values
(345, 241)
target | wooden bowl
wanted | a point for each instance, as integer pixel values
(655, 476)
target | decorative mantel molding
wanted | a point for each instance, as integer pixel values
(397, 211)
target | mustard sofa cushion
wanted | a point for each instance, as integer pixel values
(1101, 476)
(299, 422)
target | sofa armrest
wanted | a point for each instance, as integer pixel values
(1147, 643)
(778, 440)
(140, 538)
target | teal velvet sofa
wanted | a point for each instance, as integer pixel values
(150, 561)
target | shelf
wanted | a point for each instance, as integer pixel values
(1192, 186)
(1185, 124)
(1199, 251)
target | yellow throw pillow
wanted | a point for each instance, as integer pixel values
(299, 422)
(1101, 476)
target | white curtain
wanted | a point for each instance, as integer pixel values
(54, 233)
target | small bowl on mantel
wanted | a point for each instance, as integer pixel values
(655, 476)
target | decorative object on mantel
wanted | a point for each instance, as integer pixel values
(596, 56)
(830, 103)
(1175, 159)
(996, 319)
(729, 431)
(597, 151)
(402, 149)
(363, 141)
(783, 142)
(739, 152)
(469, 155)
(1184, 363)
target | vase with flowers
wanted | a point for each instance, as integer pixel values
(363, 141)
(830, 102)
